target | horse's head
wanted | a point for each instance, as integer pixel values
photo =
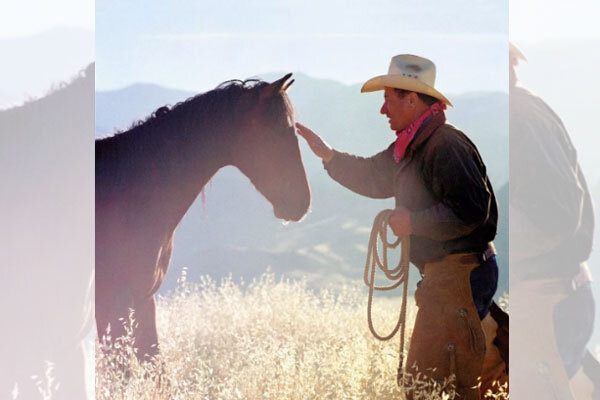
(266, 149)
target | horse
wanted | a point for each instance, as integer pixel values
(148, 177)
(46, 169)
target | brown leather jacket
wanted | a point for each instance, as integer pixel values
(441, 180)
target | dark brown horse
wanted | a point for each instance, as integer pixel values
(148, 177)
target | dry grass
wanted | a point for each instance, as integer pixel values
(265, 340)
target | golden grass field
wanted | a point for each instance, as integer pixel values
(264, 340)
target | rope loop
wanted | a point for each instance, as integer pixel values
(397, 276)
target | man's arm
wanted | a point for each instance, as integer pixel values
(367, 176)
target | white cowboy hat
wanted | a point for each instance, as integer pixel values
(515, 54)
(408, 72)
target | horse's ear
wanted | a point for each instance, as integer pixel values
(274, 88)
(287, 85)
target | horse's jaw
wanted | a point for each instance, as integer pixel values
(295, 215)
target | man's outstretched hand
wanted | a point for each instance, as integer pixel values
(316, 144)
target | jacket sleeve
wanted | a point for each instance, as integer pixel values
(370, 176)
(457, 178)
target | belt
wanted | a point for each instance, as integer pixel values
(582, 277)
(470, 258)
(557, 286)
(479, 258)
(561, 283)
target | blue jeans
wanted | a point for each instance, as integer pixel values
(573, 327)
(484, 282)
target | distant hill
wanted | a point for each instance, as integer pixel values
(235, 231)
(116, 110)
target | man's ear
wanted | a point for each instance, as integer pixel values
(413, 98)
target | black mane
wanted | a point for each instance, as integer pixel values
(220, 98)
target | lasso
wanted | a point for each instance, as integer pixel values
(398, 276)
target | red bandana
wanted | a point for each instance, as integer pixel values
(406, 136)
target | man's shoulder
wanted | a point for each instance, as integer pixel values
(450, 141)
(450, 129)
(448, 134)
(530, 114)
(519, 94)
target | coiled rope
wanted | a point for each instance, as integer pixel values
(398, 276)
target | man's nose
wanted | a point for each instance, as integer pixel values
(384, 108)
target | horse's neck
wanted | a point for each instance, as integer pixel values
(184, 167)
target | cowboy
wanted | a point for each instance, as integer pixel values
(445, 202)
(552, 235)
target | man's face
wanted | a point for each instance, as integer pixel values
(396, 108)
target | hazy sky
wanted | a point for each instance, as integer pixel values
(562, 39)
(198, 44)
(42, 43)
(28, 17)
(534, 21)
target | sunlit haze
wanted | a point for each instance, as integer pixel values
(197, 45)
(28, 17)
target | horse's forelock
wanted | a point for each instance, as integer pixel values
(281, 110)
(289, 107)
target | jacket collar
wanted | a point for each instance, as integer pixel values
(426, 132)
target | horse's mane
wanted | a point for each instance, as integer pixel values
(221, 96)
(81, 78)
(195, 119)
(214, 102)
(67, 105)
